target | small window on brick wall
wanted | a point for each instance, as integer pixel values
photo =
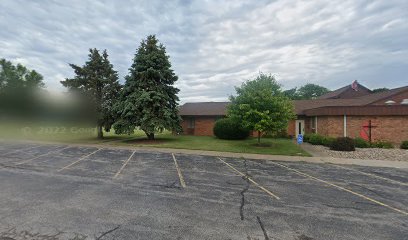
(191, 123)
(313, 123)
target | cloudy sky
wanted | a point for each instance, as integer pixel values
(215, 45)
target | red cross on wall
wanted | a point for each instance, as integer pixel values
(365, 132)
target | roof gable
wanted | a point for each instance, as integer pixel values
(347, 92)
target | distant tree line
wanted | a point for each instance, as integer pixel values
(307, 91)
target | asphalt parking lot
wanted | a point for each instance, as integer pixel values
(85, 192)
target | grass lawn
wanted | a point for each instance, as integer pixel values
(277, 146)
(164, 140)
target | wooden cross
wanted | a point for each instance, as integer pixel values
(369, 126)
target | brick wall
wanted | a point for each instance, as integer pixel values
(330, 126)
(203, 126)
(389, 128)
(291, 128)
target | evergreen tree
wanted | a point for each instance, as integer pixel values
(98, 81)
(149, 101)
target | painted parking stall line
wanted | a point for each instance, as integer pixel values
(372, 175)
(124, 165)
(250, 179)
(79, 160)
(181, 178)
(19, 150)
(45, 154)
(340, 188)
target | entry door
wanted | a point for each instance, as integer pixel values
(300, 127)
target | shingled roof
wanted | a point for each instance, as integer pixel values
(204, 109)
(304, 107)
(339, 93)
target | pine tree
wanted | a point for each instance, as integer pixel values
(149, 101)
(99, 82)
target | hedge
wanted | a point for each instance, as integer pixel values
(229, 129)
(343, 144)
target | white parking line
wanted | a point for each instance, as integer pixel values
(79, 160)
(45, 154)
(250, 179)
(182, 182)
(124, 165)
(20, 150)
(371, 175)
(340, 188)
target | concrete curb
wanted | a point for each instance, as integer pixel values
(327, 160)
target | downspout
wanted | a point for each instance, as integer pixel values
(316, 124)
(345, 126)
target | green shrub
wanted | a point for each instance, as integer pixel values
(361, 143)
(382, 144)
(316, 139)
(327, 141)
(306, 137)
(404, 145)
(229, 129)
(343, 144)
(280, 134)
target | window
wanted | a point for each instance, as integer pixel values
(312, 122)
(191, 123)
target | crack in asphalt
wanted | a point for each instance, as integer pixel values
(107, 232)
(304, 237)
(171, 185)
(262, 227)
(14, 234)
(241, 207)
(341, 207)
(370, 190)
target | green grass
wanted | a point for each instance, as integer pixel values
(276, 146)
(164, 140)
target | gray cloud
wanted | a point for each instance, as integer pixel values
(216, 45)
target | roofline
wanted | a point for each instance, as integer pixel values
(388, 96)
(374, 110)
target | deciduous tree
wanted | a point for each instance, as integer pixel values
(261, 106)
(307, 91)
(19, 88)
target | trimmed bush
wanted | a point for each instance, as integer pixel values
(316, 139)
(306, 137)
(404, 145)
(382, 144)
(343, 144)
(327, 141)
(361, 143)
(229, 129)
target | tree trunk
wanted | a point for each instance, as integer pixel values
(259, 137)
(150, 136)
(100, 132)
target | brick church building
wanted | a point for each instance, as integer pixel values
(352, 111)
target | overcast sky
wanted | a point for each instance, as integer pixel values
(215, 45)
